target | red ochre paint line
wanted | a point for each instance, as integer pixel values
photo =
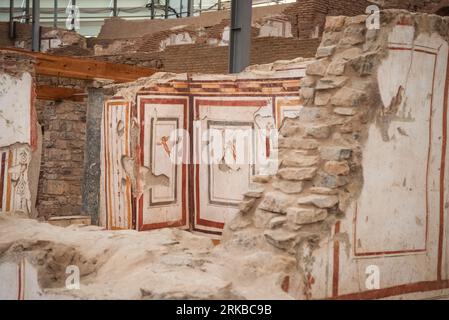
(442, 177)
(423, 286)
(2, 177)
(379, 253)
(183, 221)
(215, 103)
(336, 269)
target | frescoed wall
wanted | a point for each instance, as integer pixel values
(18, 144)
(360, 199)
(198, 192)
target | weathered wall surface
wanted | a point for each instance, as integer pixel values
(19, 136)
(364, 185)
(200, 44)
(166, 103)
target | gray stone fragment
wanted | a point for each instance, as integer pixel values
(319, 200)
(306, 215)
(276, 202)
(289, 187)
(336, 153)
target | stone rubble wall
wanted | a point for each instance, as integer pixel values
(309, 208)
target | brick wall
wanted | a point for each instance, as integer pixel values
(204, 58)
(62, 165)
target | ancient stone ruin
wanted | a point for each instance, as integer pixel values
(344, 174)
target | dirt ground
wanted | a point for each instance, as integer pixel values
(160, 264)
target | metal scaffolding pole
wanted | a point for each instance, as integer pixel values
(55, 14)
(115, 9)
(240, 38)
(152, 9)
(189, 8)
(73, 15)
(167, 7)
(27, 11)
(11, 19)
(36, 34)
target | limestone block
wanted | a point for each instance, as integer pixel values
(318, 131)
(306, 215)
(277, 222)
(339, 168)
(246, 205)
(298, 143)
(325, 51)
(344, 111)
(336, 153)
(322, 98)
(348, 97)
(254, 193)
(276, 202)
(281, 239)
(337, 68)
(319, 200)
(323, 190)
(300, 161)
(326, 180)
(331, 82)
(300, 174)
(289, 187)
(317, 68)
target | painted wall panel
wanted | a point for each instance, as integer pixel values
(116, 145)
(170, 194)
(17, 118)
(398, 223)
(164, 201)
(220, 178)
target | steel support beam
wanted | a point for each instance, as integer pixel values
(11, 19)
(115, 9)
(190, 8)
(167, 7)
(55, 14)
(27, 11)
(36, 32)
(240, 37)
(73, 15)
(152, 9)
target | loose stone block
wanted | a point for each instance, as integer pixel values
(322, 98)
(277, 222)
(331, 82)
(348, 97)
(275, 202)
(345, 111)
(246, 205)
(325, 51)
(336, 153)
(321, 201)
(297, 143)
(339, 168)
(255, 193)
(281, 239)
(318, 131)
(289, 187)
(297, 174)
(301, 161)
(306, 215)
(317, 68)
